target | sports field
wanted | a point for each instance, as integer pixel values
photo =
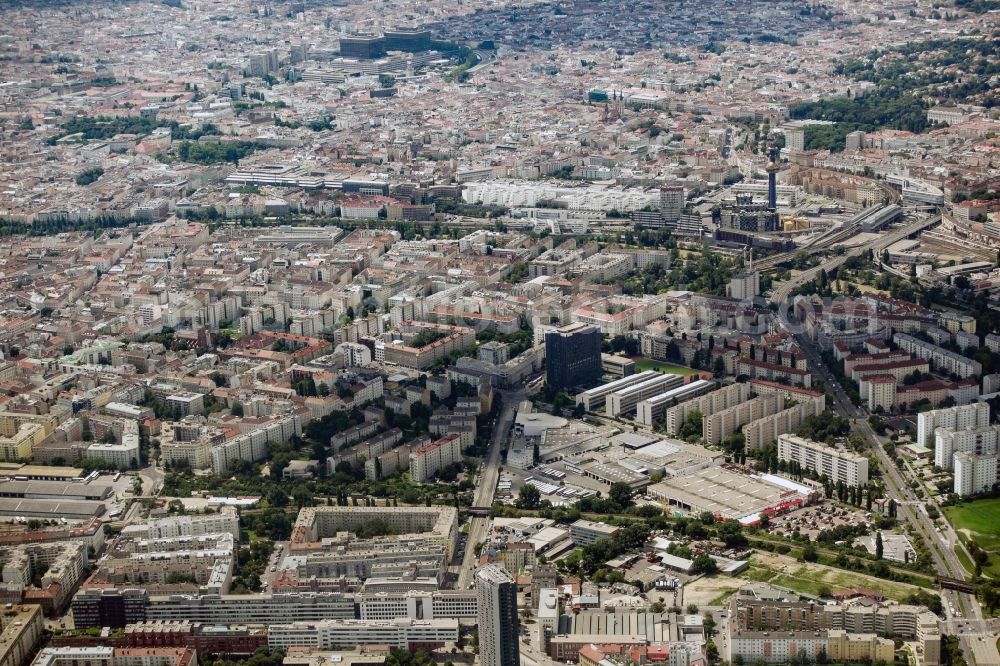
(978, 521)
(642, 364)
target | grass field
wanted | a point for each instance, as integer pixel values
(979, 522)
(642, 364)
(811, 578)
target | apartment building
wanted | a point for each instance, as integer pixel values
(226, 521)
(758, 434)
(428, 460)
(720, 425)
(976, 442)
(943, 360)
(772, 371)
(975, 474)
(962, 417)
(708, 404)
(837, 465)
(765, 625)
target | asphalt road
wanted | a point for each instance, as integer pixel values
(977, 637)
(488, 484)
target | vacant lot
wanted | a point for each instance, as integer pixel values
(711, 590)
(811, 578)
(642, 364)
(979, 522)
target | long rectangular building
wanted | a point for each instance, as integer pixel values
(651, 410)
(251, 608)
(401, 633)
(943, 360)
(596, 397)
(416, 604)
(622, 402)
(837, 465)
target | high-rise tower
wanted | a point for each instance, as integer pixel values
(496, 598)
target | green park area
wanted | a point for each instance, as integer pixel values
(642, 364)
(978, 524)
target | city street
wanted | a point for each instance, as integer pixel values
(487, 484)
(912, 511)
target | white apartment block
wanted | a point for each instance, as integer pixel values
(976, 442)
(943, 360)
(776, 647)
(975, 474)
(252, 445)
(717, 427)
(708, 404)
(426, 461)
(837, 465)
(963, 417)
(763, 431)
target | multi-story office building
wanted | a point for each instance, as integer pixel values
(572, 356)
(838, 466)
(365, 47)
(402, 633)
(624, 401)
(671, 203)
(251, 608)
(586, 532)
(109, 607)
(962, 417)
(596, 397)
(651, 410)
(416, 604)
(496, 592)
(403, 39)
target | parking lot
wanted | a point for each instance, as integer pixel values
(814, 519)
